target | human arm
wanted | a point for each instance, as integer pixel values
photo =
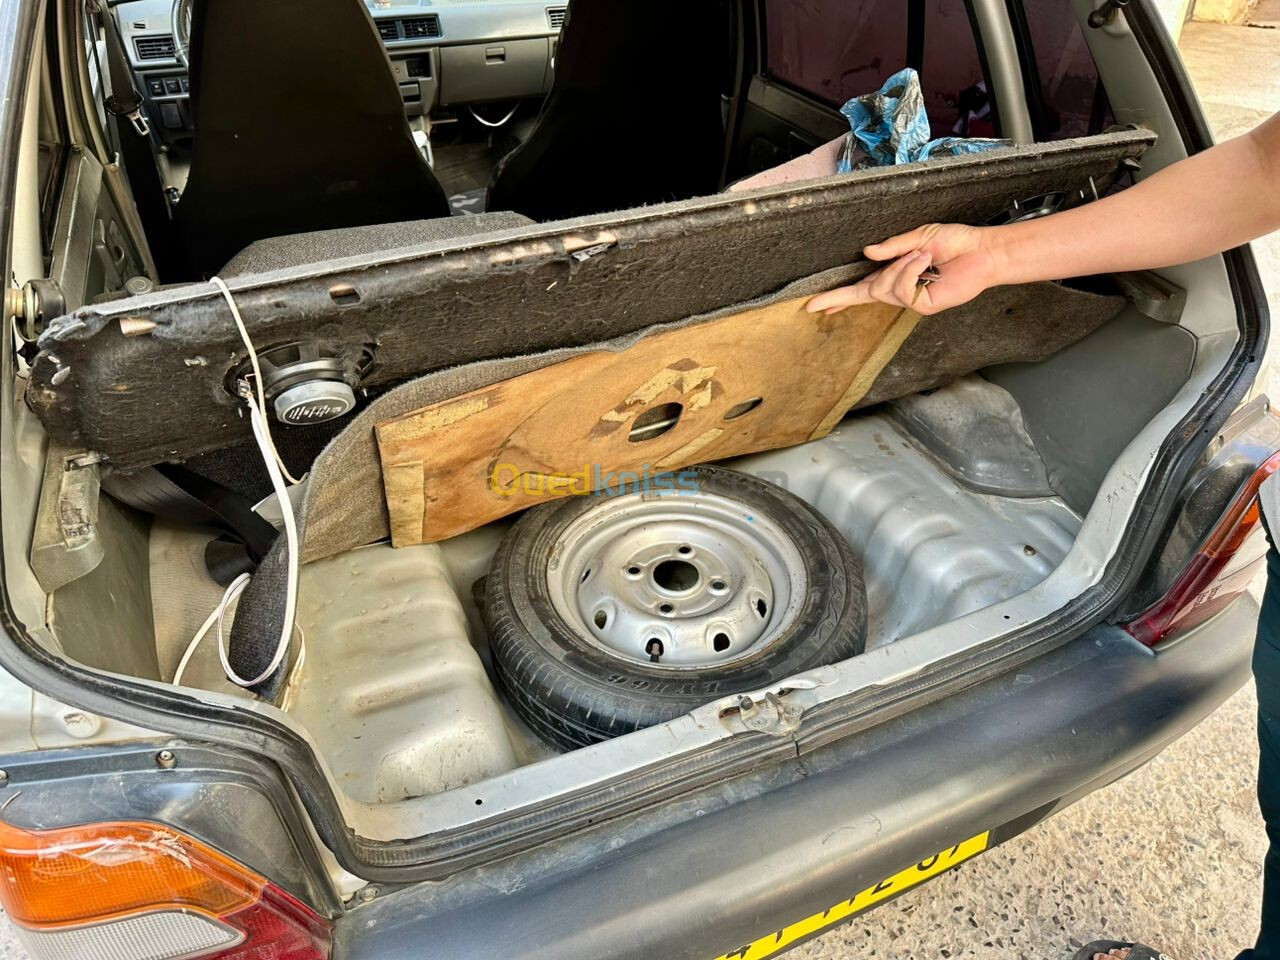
(1203, 205)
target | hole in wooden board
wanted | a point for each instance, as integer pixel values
(344, 293)
(742, 409)
(655, 422)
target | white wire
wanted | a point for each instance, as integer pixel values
(491, 124)
(218, 613)
(277, 471)
(259, 422)
(257, 372)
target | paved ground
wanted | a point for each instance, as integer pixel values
(1180, 866)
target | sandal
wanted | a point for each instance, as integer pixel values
(1137, 951)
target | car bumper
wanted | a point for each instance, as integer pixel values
(990, 761)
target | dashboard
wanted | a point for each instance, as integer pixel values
(444, 53)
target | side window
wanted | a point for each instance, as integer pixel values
(1072, 101)
(834, 50)
(951, 75)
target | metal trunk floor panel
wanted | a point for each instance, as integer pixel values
(932, 550)
(392, 690)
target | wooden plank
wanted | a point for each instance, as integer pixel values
(568, 428)
(879, 358)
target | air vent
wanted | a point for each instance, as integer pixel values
(416, 28)
(556, 16)
(154, 48)
(389, 29)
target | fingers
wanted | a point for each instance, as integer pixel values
(842, 299)
(897, 285)
(903, 243)
(906, 287)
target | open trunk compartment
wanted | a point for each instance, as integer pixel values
(392, 689)
(409, 762)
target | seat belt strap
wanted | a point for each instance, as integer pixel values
(124, 101)
(174, 492)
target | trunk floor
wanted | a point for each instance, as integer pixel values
(932, 549)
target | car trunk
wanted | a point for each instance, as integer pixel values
(982, 497)
(385, 628)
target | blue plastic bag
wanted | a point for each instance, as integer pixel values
(892, 127)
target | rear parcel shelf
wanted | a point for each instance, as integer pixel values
(164, 394)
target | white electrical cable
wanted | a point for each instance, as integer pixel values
(218, 613)
(277, 472)
(259, 422)
(257, 371)
(491, 124)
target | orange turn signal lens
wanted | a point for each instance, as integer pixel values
(1219, 572)
(74, 875)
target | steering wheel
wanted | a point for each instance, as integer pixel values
(180, 19)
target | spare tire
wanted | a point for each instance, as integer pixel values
(613, 612)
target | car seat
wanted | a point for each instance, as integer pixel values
(299, 126)
(635, 113)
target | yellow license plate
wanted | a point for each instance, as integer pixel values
(914, 875)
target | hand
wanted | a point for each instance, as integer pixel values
(961, 255)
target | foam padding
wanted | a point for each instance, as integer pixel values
(144, 380)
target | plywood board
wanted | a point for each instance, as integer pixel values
(568, 428)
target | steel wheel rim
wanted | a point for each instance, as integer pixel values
(680, 581)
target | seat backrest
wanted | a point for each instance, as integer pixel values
(635, 112)
(299, 126)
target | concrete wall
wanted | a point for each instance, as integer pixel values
(1222, 11)
(1176, 12)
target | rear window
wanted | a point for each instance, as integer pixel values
(834, 50)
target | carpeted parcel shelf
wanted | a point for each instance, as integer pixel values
(143, 380)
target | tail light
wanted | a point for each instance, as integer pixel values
(138, 891)
(1222, 569)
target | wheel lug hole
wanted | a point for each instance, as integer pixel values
(685, 550)
(719, 586)
(666, 608)
(634, 571)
